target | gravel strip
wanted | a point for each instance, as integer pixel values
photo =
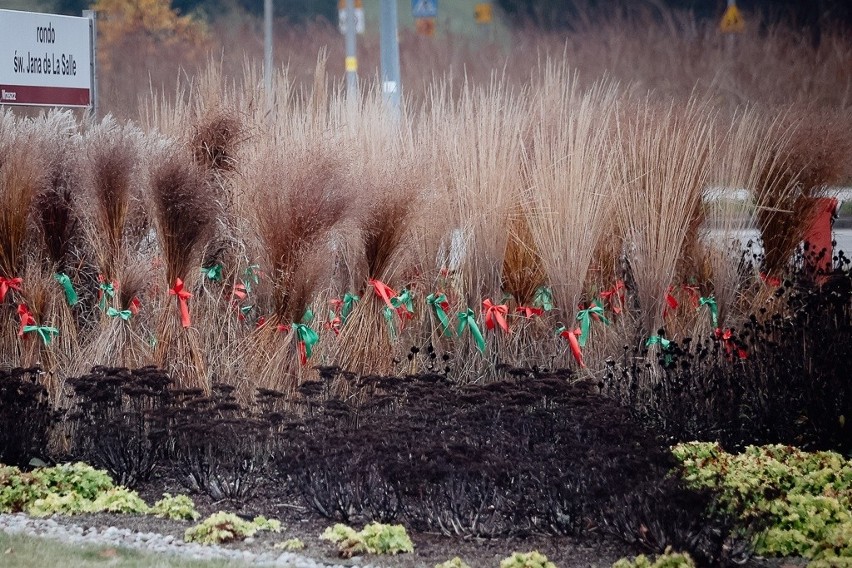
(149, 542)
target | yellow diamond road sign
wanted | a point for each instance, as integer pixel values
(732, 20)
(482, 13)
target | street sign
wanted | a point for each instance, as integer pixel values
(424, 9)
(359, 16)
(732, 20)
(482, 13)
(45, 59)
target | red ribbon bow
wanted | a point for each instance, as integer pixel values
(571, 336)
(528, 312)
(26, 318)
(7, 284)
(261, 321)
(772, 281)
(692, 291)
(726, 337)
(182, 297)
(238, 291)
(671, 301)
(383, 291)
(334, 325)
(616, 291)
(495, 312)
(337, 304)
(135, 305)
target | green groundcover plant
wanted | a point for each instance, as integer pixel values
(76, 488)
(668, 559)
(222, 527)
(533, 559)
(801, 500)
(375, 538)
(455, 562)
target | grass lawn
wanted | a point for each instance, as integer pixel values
(18, 551)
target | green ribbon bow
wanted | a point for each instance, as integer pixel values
(389, 313)
(307, 336)
(70, 293)
(349, 301)
(245, 310)
(710, 302)
(123, 314)
(656, 339)
(467, 319)
(543, 298)
(46, 333)
(585, 319)
(107, 289)
(308, 316)
(404, 299)
(662, 342)
(213, 273)
(435, 300)
(250, 276)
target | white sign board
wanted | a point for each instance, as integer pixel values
(359, 20)
(45, 59)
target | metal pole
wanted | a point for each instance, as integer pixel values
(267, 48)
(351, 53)
(93, 34)
(391, 81)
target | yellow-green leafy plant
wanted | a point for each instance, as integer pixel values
(119, 500)
(175, 507)
(455, 562)
(375, 538)
(534, 559)
(803, 499)
(291, 545)
(668, 559)
(227, 527)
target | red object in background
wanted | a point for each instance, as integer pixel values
(818, 235)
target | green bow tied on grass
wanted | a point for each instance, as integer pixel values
(251, 276)
(349, 301)
(70, 294)
(439, 303)
(585, 319)
(543, 298)
(308, 316)
(467, 319)
(663, 343)
(123, 314)
(45, 332)
(404, 303)
(106, 289)
(307, 337)
(710, 302)
(213, 273)
(389, 313)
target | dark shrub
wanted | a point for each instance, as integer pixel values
(117, 420)
(218, 447)
(26, 417)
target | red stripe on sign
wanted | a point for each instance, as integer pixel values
(48, 96)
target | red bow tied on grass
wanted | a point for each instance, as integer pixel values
(182, 297)
(135, 305)
(495, 313)
(7, 284)
(671, 301)
(26, 317)
(616, 291)
(384, 292)
(528, 312)
(772, 281)
(571, 336)
(726, 337)
(692, 292)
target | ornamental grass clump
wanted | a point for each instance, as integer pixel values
(303, 196)
(379, 263)
(534, 559)
(663, 159)
(184, 218)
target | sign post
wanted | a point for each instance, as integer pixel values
(391, 82)
(46, 60)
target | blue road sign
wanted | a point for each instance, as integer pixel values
(424, 8)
